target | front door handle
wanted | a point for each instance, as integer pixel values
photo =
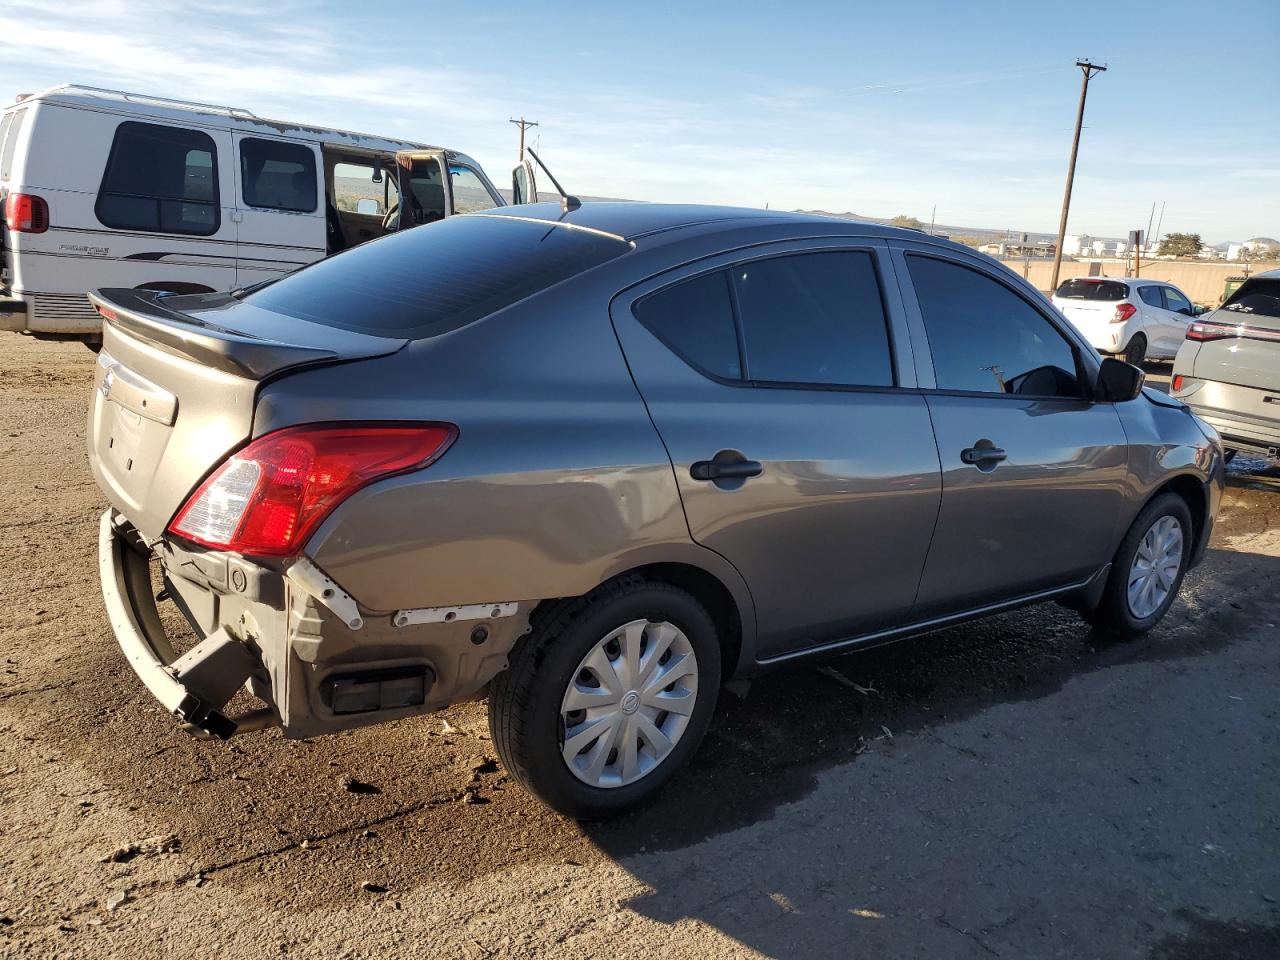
(725, 469)
(983, 452)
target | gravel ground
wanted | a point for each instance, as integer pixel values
(1012, 788)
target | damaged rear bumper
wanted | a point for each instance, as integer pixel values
(295, 638)
(193, 687)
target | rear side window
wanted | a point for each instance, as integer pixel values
(281, 176)
(695, 320)
(1089, 289)
(1151, 296)
(814, 318)
(10, 139)
(159, 178)
(985, 338)
(1257, 297)
(420, 283)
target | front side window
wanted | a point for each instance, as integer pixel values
(985, 338)
(1177, 302)
(1151, 296)
(10, 142)
(279, 176)
(469, 192)
(160, 178)
(814, 318)
(695, 320)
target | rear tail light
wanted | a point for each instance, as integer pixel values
(1177, 383)
(1123, 312)
(26, 213)
(1208, 330)
(267, 499)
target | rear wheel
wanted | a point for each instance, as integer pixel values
(1147, 571)
(607, 697)
(1136, 351)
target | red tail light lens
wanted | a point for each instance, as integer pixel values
(1208, 330)
(26, 213)
(267, 499)
(1123, 312)
(1176, 385)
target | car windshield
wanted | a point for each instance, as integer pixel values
(438, 277)
(1258, 297)
(1093, 290)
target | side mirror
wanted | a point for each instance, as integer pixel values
(367, 207)
(1119, 381)
(1199, 311)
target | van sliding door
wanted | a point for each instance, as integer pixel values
(279, 207)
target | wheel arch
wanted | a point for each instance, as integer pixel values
(1192, 490)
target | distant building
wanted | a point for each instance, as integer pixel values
(1072, 245)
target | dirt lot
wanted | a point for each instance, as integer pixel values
(1013, 788)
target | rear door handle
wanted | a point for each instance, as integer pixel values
(725, 470)
(976, 455)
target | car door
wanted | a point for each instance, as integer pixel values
(1033, 473)
(279, 210)
(1178, 313)
(1155, 323)
(779, 381)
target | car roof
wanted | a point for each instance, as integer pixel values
(632, 220)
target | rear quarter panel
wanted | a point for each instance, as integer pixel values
(557, 480)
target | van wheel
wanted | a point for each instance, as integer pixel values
(1147, 571)
(607, 697)
(1136, 351)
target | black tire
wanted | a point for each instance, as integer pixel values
(1113, 616)
(525, 699)
(1136, 351)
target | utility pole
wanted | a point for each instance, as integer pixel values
(1088, 70)
(523, 124)
(1159, 224)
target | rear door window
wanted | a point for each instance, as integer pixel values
(420, 283)
(1151, 296)
(162, 179)
(985, 338)
(277, 175)
(10, 138)
(1086, 288)
(695, 320)
(814, 318)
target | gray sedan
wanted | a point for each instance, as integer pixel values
(597, 462)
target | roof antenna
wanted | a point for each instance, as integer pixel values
(567, 202)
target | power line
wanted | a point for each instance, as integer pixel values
(1087, 69)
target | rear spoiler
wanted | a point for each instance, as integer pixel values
(143, 316)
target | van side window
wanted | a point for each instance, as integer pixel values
(279, 176)
(985, 338)
(160, 178)
(10, 144)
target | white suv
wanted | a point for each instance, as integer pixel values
(1139, 319)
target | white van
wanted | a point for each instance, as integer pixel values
(109, 189)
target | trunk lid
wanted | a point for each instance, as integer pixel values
(1252, 358)
(175, 386)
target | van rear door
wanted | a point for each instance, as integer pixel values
(280, 206)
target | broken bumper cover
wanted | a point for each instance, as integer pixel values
(181, 684)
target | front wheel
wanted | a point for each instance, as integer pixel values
(607, 697)
(1147, 571)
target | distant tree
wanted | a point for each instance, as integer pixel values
(902, 220)
(967, 241)
(1180, 245)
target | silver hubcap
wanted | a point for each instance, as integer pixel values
(1155, 567)
(629, 703)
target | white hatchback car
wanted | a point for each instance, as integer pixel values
(1138, 319)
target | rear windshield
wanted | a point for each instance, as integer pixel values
(435, 278)
(1093, 290)
(1260, 298)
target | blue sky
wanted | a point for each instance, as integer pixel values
(878, 108)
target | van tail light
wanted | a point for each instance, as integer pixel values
(26, 213)
(1209, 330)
(1123, 312)
(267, 499)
